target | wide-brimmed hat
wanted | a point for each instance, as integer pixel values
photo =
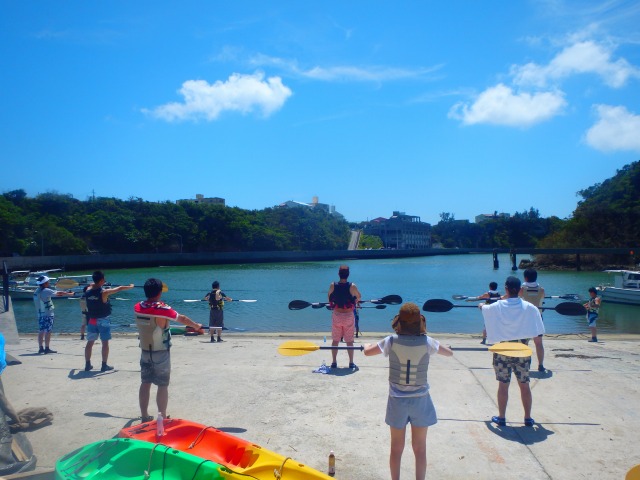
(409, 320)
(42, 280)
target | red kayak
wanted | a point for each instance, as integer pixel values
(236, 454)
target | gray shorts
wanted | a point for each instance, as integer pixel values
(503, 366)
(216, 318)
(155, 367)
(418, 411)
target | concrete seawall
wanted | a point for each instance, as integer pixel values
(79, 262)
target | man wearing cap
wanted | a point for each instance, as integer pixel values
(44, 307)
(344, 297)
(409, 400)
(512, 320)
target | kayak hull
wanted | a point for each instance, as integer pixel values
(119, 458)
(237, 454)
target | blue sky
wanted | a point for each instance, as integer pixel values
(420, 106)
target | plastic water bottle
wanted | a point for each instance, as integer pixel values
(332, 464)
(160, 425)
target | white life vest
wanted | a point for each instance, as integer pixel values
(152, 337)
(43, 308)
(533, 295)
(408, 360)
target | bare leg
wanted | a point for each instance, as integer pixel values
(41, 339)
(87, 351)
(162, 400)
(397, 446)
(594, 332)
(47, 339)
(143, 399)
(503, 398)
(527, 398)
(105, 351)
(539, 350)
(350, 352)
(334, 352)
(419, 444)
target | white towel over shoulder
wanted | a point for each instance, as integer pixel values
(511, 319)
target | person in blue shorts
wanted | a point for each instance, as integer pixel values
(44, 307)
(409, 351)
(592, 306)
(98, 321)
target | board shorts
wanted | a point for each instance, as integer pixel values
(343, 326)
(99, 327)
(591, 318)
(216, 318)
(45, 323)
(503, 366)
(418, 411)
(155, 367)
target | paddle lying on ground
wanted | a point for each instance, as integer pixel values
(294, 348)
(203, 300)
(441, 305)
(66, 283)
(388, 300)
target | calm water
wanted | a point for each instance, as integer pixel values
(275, 285)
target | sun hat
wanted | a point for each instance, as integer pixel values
(409, 321)
(42, 280)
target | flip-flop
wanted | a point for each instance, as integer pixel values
(529, 422)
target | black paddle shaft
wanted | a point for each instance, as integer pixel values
(442, 305)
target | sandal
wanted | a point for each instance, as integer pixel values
(146, 419)
(529, 422)
(500, 421)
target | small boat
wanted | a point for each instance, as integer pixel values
(119, 458)
(236, 454)
(23, 283)
(625, 290)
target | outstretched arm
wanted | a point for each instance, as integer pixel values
(372, 349)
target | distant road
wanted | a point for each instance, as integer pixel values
(355, 239)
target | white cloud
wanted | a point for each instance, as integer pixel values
(344, 72)
(240, 93)
(499, 105)
(616, 129)
(579, 58)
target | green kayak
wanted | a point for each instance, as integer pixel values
(119, 458)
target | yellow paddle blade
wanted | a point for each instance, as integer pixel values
(294, 348)
(65, 283)
(511, 349)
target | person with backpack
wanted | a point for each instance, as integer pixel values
(216, 299)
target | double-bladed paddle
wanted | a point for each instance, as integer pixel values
(442, 305)
(566, 296)
(388, 300)
(66, 283)
(234, 300)
(294, 348)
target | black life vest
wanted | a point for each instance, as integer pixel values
(95, 306)
(341, 296)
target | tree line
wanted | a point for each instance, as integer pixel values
(608, 215)
(58, 224)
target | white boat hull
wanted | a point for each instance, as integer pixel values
(625, 296)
